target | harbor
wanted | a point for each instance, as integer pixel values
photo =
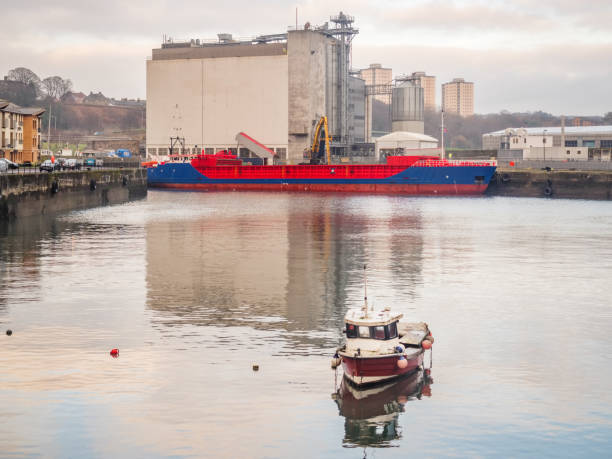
(194, 289)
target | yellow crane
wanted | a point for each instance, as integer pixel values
(315, 150)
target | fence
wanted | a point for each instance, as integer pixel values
(557, 165)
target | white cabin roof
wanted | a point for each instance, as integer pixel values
(372, 318)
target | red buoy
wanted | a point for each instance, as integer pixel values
(114, 353)
(426, 344)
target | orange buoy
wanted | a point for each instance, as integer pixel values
(114, 353)
(426, 344)
(402, 363)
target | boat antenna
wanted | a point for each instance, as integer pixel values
(365, 290)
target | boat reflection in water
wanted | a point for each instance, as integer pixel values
(372, 414)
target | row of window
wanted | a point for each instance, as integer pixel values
(379, 332)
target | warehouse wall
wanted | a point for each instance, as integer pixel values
(211, 100)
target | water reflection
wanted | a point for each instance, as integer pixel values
(372, 414)
(295, 269)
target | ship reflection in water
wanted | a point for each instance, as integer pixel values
(371, 415)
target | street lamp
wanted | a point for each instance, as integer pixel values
(544, 144)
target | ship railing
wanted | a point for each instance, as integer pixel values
(454, 163)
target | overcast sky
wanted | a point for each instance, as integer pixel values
(522, 55)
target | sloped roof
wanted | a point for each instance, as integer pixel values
(13, 108)
(400, 136)
(3, 103)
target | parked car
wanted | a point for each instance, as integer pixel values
(89, 162)
(3, 166)
(99, 162)
(48, 166)
(10, 164)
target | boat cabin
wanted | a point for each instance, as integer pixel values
(383, 332)
(368, 326)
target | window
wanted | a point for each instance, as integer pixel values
(392, 330)
(379, 332)
(578, 151)
(571, 143)
(588, 143)
(364, 332)
(352, 331)
(568, 152)
(606, 144)
(209, 151)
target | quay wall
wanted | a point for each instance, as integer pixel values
(23, 195)
(563, 184)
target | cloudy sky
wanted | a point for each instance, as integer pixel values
(522, 55)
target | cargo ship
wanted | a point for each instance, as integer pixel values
(411, 175)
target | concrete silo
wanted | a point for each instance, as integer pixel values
(407, 107)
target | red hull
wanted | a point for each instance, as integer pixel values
(383, 188)
(378, 369)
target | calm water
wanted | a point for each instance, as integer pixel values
(195, 288)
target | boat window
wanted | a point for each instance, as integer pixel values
(351, 331)
(392, 330)
(378, 332)
(364, 332)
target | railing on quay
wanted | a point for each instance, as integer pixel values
(454, 163)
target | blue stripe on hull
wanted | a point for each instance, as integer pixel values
(184, 173)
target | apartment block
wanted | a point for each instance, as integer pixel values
(458, 97)
(377, 75)
(20, 132)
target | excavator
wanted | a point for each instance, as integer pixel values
(320, 143)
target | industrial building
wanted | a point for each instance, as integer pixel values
(458, 97)
(563, 143)
(407, 108)
(428, 83)
(201, 94)
(20, 132)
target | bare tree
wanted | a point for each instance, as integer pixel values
(25, 76)
(56, 86)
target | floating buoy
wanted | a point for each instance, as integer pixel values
(114, 353)
(336, 361)
(255, 367)
(9, 332)
(426, 344)
(400, 349)
(402, 362)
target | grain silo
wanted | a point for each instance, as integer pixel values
(407, 108)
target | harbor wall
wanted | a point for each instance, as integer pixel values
(23, 195)
(551, 184)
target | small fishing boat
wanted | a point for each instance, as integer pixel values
(379, 347)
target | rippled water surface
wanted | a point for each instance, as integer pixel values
(195, 288)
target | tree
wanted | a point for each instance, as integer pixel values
(607, 118)
(25, 76)
(56, 86)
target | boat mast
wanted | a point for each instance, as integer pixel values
(365, 290)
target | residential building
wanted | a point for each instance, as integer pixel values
(377, 75)
(458, 97)
(20, 132)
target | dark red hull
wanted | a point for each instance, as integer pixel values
(363, 370)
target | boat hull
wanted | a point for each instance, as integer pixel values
(384, 179)
(363, 371)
